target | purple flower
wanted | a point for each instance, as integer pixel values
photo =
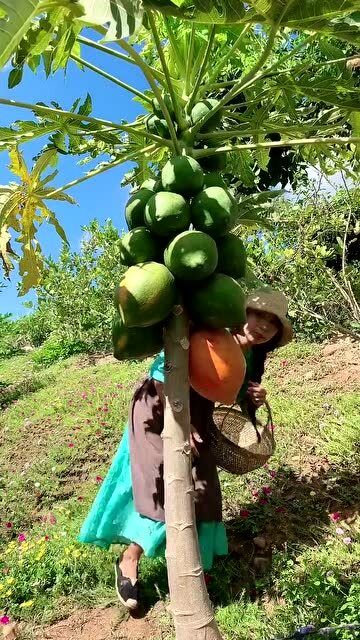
(5, 620)
(21, 537)
(347, 540)
(340, 531)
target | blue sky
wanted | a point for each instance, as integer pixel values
(101, 197)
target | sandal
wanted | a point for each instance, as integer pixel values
(126, 589)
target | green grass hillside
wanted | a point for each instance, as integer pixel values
(294, 525)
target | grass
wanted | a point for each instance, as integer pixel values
(58, 437)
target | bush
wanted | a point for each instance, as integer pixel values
(75, 299)
(13, 335)
(55, 349)
(303, 256)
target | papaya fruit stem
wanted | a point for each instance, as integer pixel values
(175, 103)
(220, 65)
(189, 60)
(202, 70)
(101, 169)
(243, 82)
(117, 54)
(193, 616)
(151, 80)
(110, 77)
(202, 153)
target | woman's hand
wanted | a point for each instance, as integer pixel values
(257, 393)
(194, 440)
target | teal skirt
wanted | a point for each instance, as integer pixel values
(113, 520)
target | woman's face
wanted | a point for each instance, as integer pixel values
(260, 326)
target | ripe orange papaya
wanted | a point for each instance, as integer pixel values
(217, 365)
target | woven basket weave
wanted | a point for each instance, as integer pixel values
(238, 444)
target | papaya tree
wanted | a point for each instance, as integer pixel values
(228, 82)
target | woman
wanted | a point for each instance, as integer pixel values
(129, 508)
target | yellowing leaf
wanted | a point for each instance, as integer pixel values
(17, 164)
(48, 158)
(52, 219)
(5, 250)
(30, 268)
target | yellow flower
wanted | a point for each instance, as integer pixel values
(76, 553)
(27, 605)
(10, 581)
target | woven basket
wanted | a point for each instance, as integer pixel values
(238, 444)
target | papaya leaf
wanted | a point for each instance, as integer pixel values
(15, 77)
(123, 17)
(50, 216)
(17, 165)
(15, 20)
(22, 209)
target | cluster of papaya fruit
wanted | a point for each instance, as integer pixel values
(178, 242)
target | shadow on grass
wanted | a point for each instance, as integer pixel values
(11, 392)
(297, 513)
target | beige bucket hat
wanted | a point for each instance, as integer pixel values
(273, 302)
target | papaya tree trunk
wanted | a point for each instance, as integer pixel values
(190, 604)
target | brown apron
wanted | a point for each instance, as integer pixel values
(146, 422)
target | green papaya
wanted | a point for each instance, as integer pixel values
(167, 213)
(232, 256)
(135, 342)
(201, 109)
(212, 211)
(157, 109)
(192, 255)
(146, 294)
(158, 127)
(217, 303)
(138, 245)
(183, 175)
(135, 208)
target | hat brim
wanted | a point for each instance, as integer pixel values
(287, 332)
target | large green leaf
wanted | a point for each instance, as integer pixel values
(15, 21)
(124, 17)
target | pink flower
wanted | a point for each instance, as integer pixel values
(71, 445)
(80, 498)
(84, 395)
(5, 620)
(47, 538)
(284, 363)
(244, 513)
(340, 531)
(21, 537)
(255, 494)
(267, 490)
(263, 501)
(105, 409)
(8, 525)
(272, 473)
(99, 479)
(347, 540)
(52, 519)
(336, 516)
